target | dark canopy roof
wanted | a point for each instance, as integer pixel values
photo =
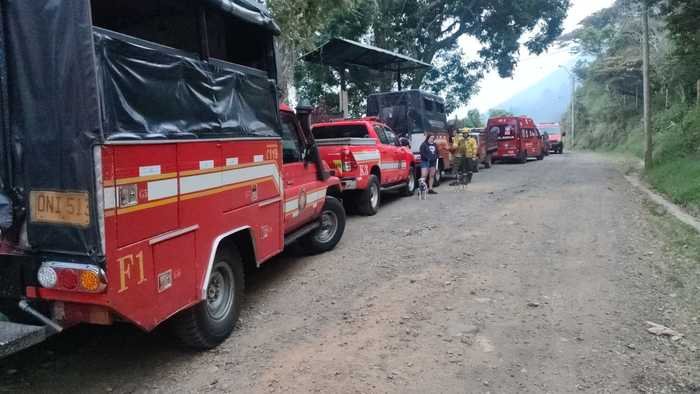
(340, 52)
(252, 11)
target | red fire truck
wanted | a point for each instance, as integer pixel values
(368, 158)
(518, 138)
(146, 166)
(554, 136)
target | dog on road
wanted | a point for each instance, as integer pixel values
(422, 189)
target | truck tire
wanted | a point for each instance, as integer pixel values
(368, 199)
(210, 322)
(331, 230)
(489, 161)
(410, 187)
(523, 157)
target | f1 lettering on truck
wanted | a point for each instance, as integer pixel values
(146, 196)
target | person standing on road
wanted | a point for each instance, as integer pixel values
(429, 158)
(470, 154)
(465, 151)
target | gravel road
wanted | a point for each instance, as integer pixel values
(538, 278)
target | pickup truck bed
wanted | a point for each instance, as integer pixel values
(347, 142)
(367, 157)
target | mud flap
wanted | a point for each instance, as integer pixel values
(15, 337)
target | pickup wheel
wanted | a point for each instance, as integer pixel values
(368, 200)
(410, 188)
(210, 322)
(328, 234)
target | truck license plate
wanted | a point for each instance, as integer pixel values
(71, 208)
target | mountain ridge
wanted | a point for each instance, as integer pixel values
(545, 101)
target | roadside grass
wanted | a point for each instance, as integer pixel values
(679, 179)
(682, 251)
(676, 172)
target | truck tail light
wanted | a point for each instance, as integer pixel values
(83, 278)
(48, 277)
(347, 160)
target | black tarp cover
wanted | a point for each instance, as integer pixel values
(151, 90)
(72, 85)
(54, 111)
(405, 111)
(251, 11)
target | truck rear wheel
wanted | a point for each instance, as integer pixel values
(210, 322)
(328, 234)
(410, 188)
(368, 200)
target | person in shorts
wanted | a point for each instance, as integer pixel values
(429, 159)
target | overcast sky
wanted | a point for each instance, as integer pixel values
(530, 69)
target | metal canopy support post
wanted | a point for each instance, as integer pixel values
(649, 148)
(398, 76)
(343, 95)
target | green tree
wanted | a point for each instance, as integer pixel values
(474, 119)
(429, 31)
(495, 112)
(682, 66)
(299, 20)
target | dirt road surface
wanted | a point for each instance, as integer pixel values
(538, 278)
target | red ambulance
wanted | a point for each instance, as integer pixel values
(518, 138)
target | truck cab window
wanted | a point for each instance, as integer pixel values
(393, 140)
(172, 23)
(225, 43)
(380, 133)
(440, 107)
(428, 105)
(292, 146)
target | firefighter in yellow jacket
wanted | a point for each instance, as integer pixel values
(465, 149)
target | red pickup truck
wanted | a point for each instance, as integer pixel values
(368, 158)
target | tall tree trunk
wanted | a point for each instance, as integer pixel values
(286, 61)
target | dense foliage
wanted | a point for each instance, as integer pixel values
(430, 31)
(609, 99)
